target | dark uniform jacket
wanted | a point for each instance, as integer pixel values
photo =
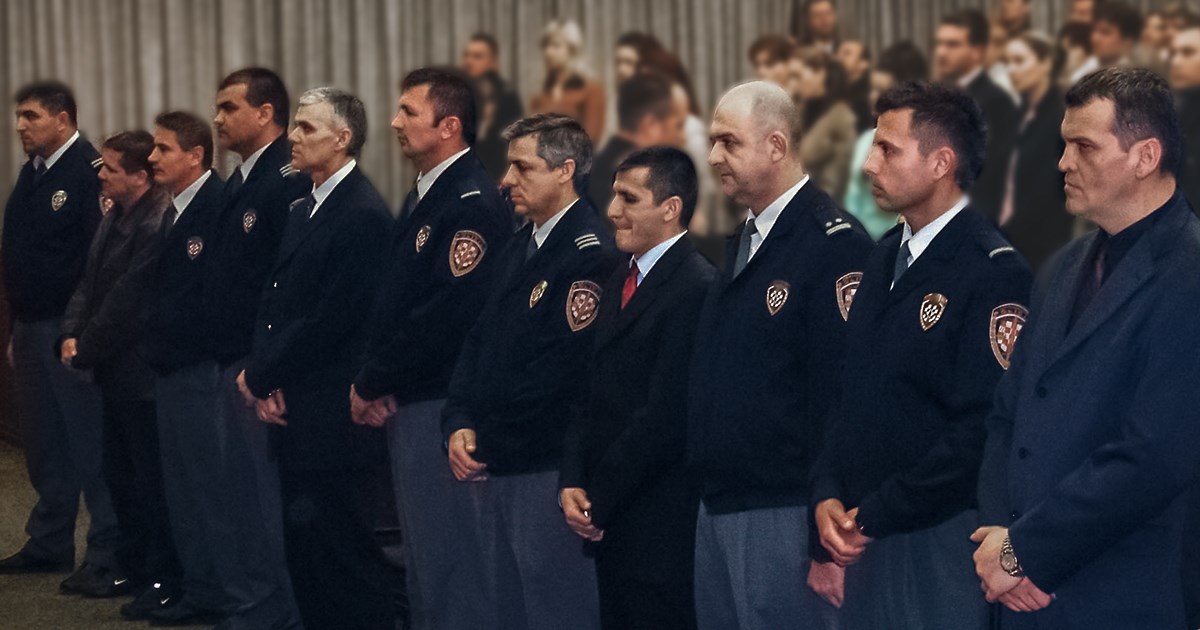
(627, 440)
(768, 356)
(523, 363)
(107, 314)
(245, 244)
(442, 263)
(1093, 439)
(48, 225)
(1000, 116)
(311, 326)
(177, 329)
(919, 377)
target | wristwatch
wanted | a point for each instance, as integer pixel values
(1008, 559)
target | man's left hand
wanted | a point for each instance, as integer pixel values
(994, 580)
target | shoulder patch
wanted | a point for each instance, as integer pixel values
(470, 193)
(582, 301)
(846, 287)
(587, 240)
(1004, 328)
(466, 252)
(286, 170)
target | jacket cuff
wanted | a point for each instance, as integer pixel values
(453, 422)
(260, 390)
(873, 519)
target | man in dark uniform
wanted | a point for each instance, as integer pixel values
(960, 50)
(765, 369)
(521, 368)
(251, 120)
(445, 247)
(180, 351)
(102, 332)
(623, 479)
(936, 313)
(1092, 441)
(647, 115)
(49, 222)
(308, 342)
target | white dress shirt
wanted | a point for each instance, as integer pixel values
(320, 193)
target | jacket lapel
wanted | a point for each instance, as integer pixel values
(943, 247)
(300, 228)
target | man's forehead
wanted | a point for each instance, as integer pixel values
(31, 105)
(632, 179)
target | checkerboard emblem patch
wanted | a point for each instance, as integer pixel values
(1003, 330)
(582, 300)
(466, 251)
(846, 287)
(932, 308)
(777, 296)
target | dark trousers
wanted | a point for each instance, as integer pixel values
(339, 575)
(134, 473)
(61, 433)
(630, 603)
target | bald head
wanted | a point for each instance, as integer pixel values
(756, 143)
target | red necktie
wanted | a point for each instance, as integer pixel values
(630, 284)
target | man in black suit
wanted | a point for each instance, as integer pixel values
(765, 369)
(623, 480)
(445, 248)
(521, 369)
(935, 316)
(308, 342)
(647, 115)
(187, 374)
(498, 106)
(49, 222)
(1092, 440)
(960, 50)
(252, 109)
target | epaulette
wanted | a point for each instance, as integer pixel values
(97, 163)
(470, 193)
(831, 219)
(587, 240)
(994, 244)
(286, 170)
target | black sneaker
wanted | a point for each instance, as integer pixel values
(157, 596)
(87, 576)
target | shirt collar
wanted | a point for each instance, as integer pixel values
(765, 220)
(183, 199)
(248, 164)
(320, 193)
(919, 242)
(969, 77)
(540, 234)
(425, 180)
(646, 261)
(49, 162)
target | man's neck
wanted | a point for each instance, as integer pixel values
(935, 205)
(320, 175)
(552, 210)
(130, 200)
(57, 145)
(783, 182)
(1151, 197)
(266, 138)
(441, 153)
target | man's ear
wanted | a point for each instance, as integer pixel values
(1149, 154)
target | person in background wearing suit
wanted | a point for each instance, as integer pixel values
(1093, 438)
(623, 481)
(444, 251)
(648, 114)
(498, 106)
(960, 48)
(521, 370)
(1034, 214)
(101, 332)
(308, 342)
(49, 222)
(252, 108)
(765, 369)
(187, 375)
(935, 316)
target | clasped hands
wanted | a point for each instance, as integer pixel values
(270, 410)
(1018, 594)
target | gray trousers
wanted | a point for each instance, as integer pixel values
(752, 572)
(440, 545)
(254, 573)
(539, 578)
(61, 431)
(924, 580)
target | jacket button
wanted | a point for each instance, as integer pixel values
(275, 285)
(1015, 515)
(1022, 453)
(268, 327)
(1041, 391)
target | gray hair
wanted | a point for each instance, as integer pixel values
(559, 138)
(348, 111)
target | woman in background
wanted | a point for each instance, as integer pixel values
(820, 87)
(569, 88)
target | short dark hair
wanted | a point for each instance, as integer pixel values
(1126, 18)
(449, 93)
(672, 174)
(904, 61)
(191, 131)
(1143, 107)
(1078, 34)
(54, 96)
(135, 148)
(346, 107)
(559, 138)
(941, 116)
(488, 40)
(778, 47)
(974, 21)
(639, 40)
(642, 94)
(263, 87)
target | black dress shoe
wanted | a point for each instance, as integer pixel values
(87, 575)
(184, 614)
(157, 596)
(22, 562)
